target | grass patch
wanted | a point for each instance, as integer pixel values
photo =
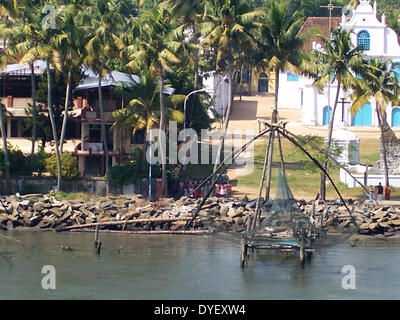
(72, 196)
(304, 183)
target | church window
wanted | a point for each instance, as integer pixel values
(364, 40)
(292, 77)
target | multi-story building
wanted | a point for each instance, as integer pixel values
(378, 40)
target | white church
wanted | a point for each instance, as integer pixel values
(378, 40)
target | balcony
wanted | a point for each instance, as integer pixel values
(94, 116)
(93, 149)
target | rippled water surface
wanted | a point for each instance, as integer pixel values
(187, 267)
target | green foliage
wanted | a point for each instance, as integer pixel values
(196, 114)
(123, 174)
(69, 164)
(43, 128)
(317, 141)
(39, 162)
(18, 162)
(72, 196)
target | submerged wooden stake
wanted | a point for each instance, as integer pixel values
(243, 254)
(301, 254)
(98, 247)
(96, 236)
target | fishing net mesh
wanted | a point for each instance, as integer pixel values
(282, 217)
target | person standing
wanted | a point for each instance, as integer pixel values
(371, 194)
(380, 192)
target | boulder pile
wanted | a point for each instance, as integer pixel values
(217, 214)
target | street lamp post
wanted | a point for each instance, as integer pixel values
(184, 112)
(184, 106)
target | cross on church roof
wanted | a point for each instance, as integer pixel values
(330, 7)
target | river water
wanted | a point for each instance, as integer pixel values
(179, 267)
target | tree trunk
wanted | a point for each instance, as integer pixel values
(5, 148)
(269, 165)
(161, 146)
(53, 125)
(228, 115)
(103, 128)
(329, 142)
(277, 83)
(272, 136)
(383, 146)
(65, 120)
(196, 72)
(34, 111)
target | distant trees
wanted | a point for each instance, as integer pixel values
(228, 26)
(162, 41)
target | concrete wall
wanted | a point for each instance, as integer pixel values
(95, 186)
(373, 179)
(46, 184)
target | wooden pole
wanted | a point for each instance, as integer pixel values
(270, 155)
(116, 223)
(98, 247)
(252, 226)
(302, 254)
(96, 236)
(281, 157)
(243, 255)
(177, 232)
(366, 180)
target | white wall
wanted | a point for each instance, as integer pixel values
(218, 89)
(384, 42)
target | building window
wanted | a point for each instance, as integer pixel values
(292, 77)
(396, 117)
(327, 114)
(364, 40)
(263, 83)
(301, 97)
(396, 70)
(245, 79)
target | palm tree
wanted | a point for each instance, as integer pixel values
(339, 62)
(190, 14)
(38, 43)
(143, 111)
(5, 149)
(72, 51)
(281, 44)
(104, 43)
(20, 36)
(282, 41)
(378, 83)
(228, 26)
(9, 7)
(157, 49)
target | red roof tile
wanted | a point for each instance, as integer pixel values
(323, 24)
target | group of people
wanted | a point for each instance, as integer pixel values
(192, 188)
(376, 193)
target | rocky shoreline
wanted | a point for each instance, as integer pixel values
(136, 215)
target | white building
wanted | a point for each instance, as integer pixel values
(378, 40)
(217, 86)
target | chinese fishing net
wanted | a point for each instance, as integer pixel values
(282, 219)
